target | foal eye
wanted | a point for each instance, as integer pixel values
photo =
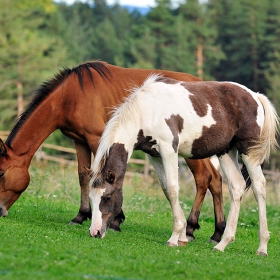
(107, 198)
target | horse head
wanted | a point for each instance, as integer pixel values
(14, 178)
(106, 196)
(106, 189)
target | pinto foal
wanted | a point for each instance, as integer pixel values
(166, 118)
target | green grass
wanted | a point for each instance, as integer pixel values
(38, 243)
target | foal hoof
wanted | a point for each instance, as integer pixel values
(170, 244)
(182, 243)
(262, 254)
(216, 250)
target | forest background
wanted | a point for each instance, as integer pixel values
(232, 40)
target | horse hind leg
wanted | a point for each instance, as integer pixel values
(236, 185)
(216, 190)
(206, 176)
(202, 180)
(259, 189)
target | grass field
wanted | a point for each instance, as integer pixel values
(38, 243)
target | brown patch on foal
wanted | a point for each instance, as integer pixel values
(176, 124)
(232, 127)
(145, 144)
(117, 159)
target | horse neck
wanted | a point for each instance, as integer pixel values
(37, 127)
(128, 137)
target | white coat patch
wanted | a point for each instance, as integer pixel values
(96, 220)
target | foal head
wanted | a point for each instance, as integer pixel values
(106, 189)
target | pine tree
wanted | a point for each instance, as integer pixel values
(28, 53)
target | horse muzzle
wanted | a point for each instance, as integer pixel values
(3, 211)
(97, 233)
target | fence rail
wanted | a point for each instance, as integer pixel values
(41, 156)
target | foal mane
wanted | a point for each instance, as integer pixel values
(49, 86)
(126, 114)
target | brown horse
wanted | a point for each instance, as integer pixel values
(78, 102)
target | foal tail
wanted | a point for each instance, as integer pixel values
(267, 141)
(269, 131)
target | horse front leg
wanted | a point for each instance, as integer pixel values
(166, 168)
(84, 160)
(206, 176)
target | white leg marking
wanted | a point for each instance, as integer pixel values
(96, 221)
(166, 168)
(259, 189)
(236, 185)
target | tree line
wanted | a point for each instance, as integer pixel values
(233, 40)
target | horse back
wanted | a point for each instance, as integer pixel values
(201, 119)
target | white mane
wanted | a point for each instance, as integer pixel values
(126, 115)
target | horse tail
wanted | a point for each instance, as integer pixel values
(267, 141)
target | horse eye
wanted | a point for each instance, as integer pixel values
(107, 198)
(2, 174)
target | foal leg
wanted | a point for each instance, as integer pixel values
(259, 189)
(236, 185)
(84, 160)
(167, 171)
(206, 176)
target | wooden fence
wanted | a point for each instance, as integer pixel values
(145, 170)
(42, 156)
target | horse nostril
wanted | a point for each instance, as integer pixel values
(98, 235)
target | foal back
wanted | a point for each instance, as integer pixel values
(203, 118)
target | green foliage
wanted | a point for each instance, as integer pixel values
(216, 39)
(38, 243)
(30, 49)
(244, 29)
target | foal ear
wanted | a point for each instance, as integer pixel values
(111, 176)
(3, 150)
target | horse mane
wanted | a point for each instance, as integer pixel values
(126, 114)
(49, 86)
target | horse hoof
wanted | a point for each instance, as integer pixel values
(78, 220)
(216, 250)
(182, 243)
(170, 244)
(262, 254)
(190, 238)
(73, 223)
(213, 241)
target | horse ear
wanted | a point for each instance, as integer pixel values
(3, 150)
(111, 176)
